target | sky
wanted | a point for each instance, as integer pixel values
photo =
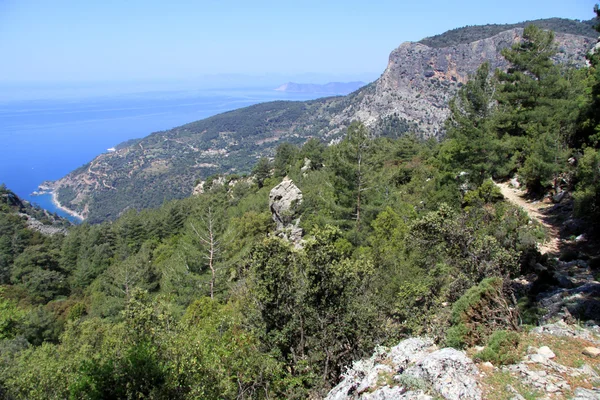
(69, 42)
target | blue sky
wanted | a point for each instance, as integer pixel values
(72, 41)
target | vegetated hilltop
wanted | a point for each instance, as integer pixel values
(470, 34)
(412, 95)
(335, 88)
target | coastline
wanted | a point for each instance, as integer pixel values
(63, 208)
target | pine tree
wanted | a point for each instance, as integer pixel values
(537, 108)
(352, 165)
(471, 138)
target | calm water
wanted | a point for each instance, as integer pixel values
(45, 140)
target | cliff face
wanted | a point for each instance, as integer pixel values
(419, 80)
(411, 95)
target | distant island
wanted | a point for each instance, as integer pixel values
(341, 88)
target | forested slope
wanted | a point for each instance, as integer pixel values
(203, 298)
(412, 95)
(470, 34)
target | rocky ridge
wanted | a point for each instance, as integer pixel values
(38, 226)
(419, 80)
(411, 95)
(416, 369)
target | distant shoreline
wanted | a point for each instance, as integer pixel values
(63, 208)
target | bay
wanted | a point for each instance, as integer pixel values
(46, 139)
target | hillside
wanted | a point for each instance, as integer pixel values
(470, 34)
(412, 95)
(30, 217)
(282, 284)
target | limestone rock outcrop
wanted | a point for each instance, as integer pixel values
(415, 369)
(420, 80)
(284, 202)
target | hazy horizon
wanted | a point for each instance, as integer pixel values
(150, 45)
(26, 91)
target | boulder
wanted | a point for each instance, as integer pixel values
(410, 351)
(593, 352)
(420, 371)
(451, 374)
(546, 352)
(586, 394)
(306, 167)
(284, 202)
(557, 198)
(396, 393)
(514, 182)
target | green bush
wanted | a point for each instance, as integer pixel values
(502, 348)
(587, 196)
(482, 310)
(488, 192)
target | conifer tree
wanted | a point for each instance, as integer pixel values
(469, 130)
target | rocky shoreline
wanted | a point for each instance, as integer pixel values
(47, 187)
(57, 204)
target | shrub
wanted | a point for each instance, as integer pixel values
(482, 310)
(587, 196)
(502, 348)
(488, 192)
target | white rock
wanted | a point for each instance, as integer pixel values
(450, 372)
(410, 351)
(591, 352)
(586, 394)
(284, 202)
(550, 388)
(546, 352)
(538, 358)
(372, 379)
(395, 393)
(515, 182)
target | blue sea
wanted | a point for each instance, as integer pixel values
(46, 139)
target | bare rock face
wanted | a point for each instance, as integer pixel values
(198, 189)
(414, 369)
(450, 372)
(284, 200)
(419, 80)
(36, 225)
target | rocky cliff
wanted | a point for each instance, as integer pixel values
(411, 95)
(420, 80)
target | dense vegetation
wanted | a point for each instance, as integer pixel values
(199, 299)
(470, 34)
(164, 165)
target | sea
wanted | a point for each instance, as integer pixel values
(46, 139)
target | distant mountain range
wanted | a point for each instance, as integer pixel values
(411, 95)
(335, 88)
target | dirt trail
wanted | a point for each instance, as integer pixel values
(535, 212)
